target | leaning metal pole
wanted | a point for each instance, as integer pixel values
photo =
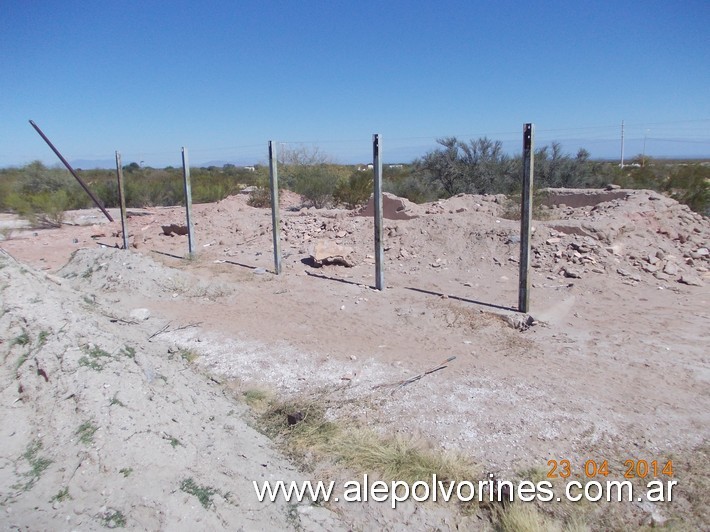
(66, 163)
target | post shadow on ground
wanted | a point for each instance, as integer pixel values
(247, 266)
(168, 254)
(310, 262)
(464, 299)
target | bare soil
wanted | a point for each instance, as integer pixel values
(611, 364)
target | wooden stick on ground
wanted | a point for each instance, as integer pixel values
(401, 384)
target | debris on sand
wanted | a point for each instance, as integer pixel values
(326, 252)
(174, 229)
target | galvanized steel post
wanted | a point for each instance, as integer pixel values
(526, 216)
(275, 214)
(121, 199)
(379, 254)
(188, 202)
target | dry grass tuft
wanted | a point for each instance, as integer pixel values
(358, 449)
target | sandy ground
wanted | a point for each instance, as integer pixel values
(612, 363)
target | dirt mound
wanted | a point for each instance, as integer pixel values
(113, 270)
(103, 427)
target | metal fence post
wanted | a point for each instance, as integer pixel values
(526, 216)
(121, 199)
(188, 202)
(379, 253)
(93, 197)
(275, 214)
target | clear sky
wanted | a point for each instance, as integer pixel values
(224, 77)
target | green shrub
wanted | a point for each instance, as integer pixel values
(414, 187)
(690, 184)
(355, 190)
(316, 184)
(43, 209)
(261, 196)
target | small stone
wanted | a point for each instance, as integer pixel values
(294, 418)
(625, 273)
(611, 186)
(650, 268)
(140, 314)
(670, 269)
(461, 209)
(691, 280)
(341, 234)
(572, 272)
(553, 240)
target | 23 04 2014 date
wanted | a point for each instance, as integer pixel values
(594, 468)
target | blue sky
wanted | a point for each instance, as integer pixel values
(224, 77)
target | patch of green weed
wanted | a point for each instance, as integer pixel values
(23, 358)
(38, 464)
(204, 494)
(115, 401)
(173, 441)
(188, 355)
(42, 338)
(22, 339)
(128, 351)
(113, 519)
(93, 358)
(86, 432)
(62, 495)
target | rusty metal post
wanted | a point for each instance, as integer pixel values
(121, 199)
(66, 163)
